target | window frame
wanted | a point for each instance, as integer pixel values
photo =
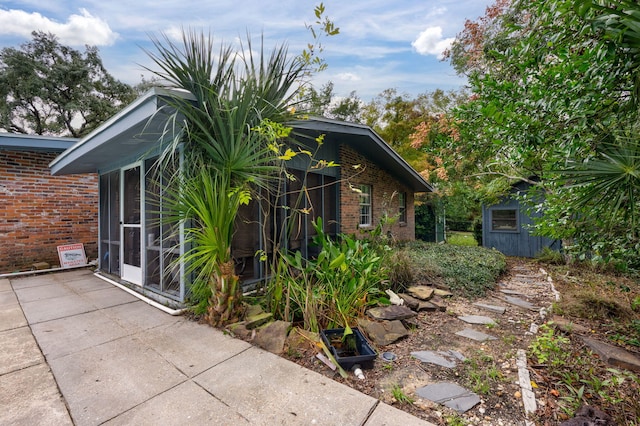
(365, 206)
(516, 221)
(402, 207)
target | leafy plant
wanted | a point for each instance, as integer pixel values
(331, 290)
(400, 396)
(548, 346)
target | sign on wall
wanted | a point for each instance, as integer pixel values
(72, 255)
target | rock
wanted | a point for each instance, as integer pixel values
(450, 395)
(252, 310)
(273, 336)
(383, 333)
(613, 355)
(493, 308)
(442, 293)
(439, 304)
(476, 319)
(475, 335)
(421, 292)
(240, 330)
(568, 326)
(589, 416)
(391, 313)
(256, 321)
(410, 301)
(447, 359)
(39, 266)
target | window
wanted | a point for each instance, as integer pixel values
(402, 207)
(365, 205)
(504, 220)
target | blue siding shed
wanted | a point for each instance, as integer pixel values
(506, 227)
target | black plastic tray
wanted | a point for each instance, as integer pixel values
(365, 353)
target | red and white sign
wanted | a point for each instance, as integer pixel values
(72, 255)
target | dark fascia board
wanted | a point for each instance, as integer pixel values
(20, 142)
(368, 143)
(84, 156)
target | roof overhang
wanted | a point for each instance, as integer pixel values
(20, 142)
(367, 142)
(140, 128)
(137, 129)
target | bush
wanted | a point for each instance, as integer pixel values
(469, 271)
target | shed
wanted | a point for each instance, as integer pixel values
(506, 226)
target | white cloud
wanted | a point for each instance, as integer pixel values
(430, 42)
(348, 76)
(77, 31)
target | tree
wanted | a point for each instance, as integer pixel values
(51, 89)
(551, 80)
(230, 133)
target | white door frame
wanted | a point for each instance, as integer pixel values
(131, 272)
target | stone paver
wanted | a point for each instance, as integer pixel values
(613, 355)
(448, 359)
(521, 303)
(477, 319)
(475, 335)
(493, 308)
(451, 395)
(391, 313)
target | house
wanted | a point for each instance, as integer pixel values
(39, 212)
(506, 226)
(136, 246)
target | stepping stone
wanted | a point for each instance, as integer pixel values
(475, 335)
(448, 359)
(421, 292)
(613, 355)
(493, 308)
(476, 319)
(450, 395)
(383, 333)
(568, 326)
(391, 313)
(512, 292)
(519, 302)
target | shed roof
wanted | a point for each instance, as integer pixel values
(138, 128)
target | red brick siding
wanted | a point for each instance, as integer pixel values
(383, 186)
(39, 212)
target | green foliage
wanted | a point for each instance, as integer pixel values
(333, 289)
(547, 255)
(549, 347)
(400, 396)
(469, 271)
(482, 373)
(47, 88)
(461, 239)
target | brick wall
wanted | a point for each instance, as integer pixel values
(39, 212)
(383, 187)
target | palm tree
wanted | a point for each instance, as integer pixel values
(228, 155)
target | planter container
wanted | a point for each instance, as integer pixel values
(360, 351)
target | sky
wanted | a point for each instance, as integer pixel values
(382, 44)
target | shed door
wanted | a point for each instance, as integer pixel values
(131, 225)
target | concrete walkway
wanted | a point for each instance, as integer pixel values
(76, 350)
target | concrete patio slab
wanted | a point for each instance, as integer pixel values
(65, 336)
(59, 307)
(32, 294)
(73, 275)
(33, 281)
(107, 297)
(103, 381)
(30, 397)
(87, 283)
(191, 347)
(11, 317)
(185, 404)
(387, 415)
(266, 393)
(5, 285)
(8, 297)
(139, 316)
(18, 350)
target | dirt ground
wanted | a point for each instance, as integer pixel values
(490, 369)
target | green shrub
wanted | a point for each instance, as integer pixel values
(469, 271)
